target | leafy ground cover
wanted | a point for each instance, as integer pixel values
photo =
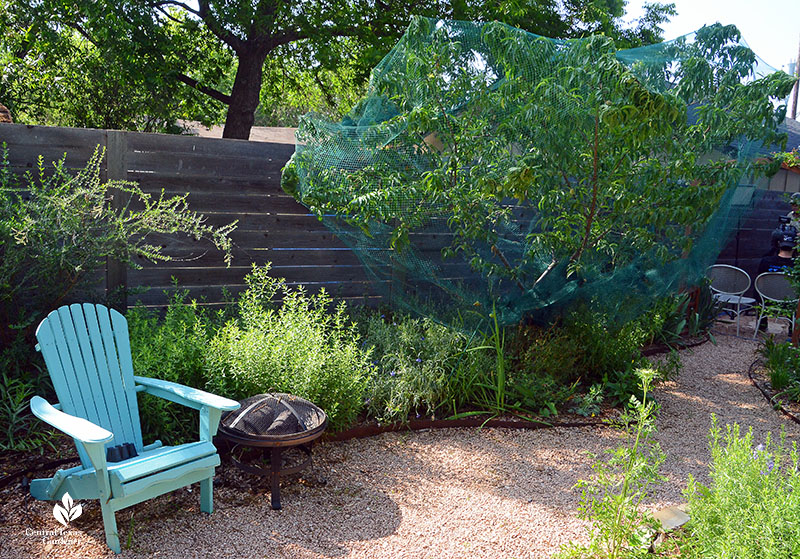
(377, 365)
(372, 364)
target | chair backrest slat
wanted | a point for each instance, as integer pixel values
(52, 343)
(122, 338)
(114, 383)
(91, 372)
(87, 353)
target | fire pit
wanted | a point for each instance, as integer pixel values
(274, 423)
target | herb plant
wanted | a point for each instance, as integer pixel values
(612, 497)
(751, 507)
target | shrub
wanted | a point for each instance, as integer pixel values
(419, 366)
(585, 346)
(57, 231)
(172, 349)
(752, 505)
(297, 347)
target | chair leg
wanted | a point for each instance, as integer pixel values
(110, 527)
(758, 323)
(207, 495)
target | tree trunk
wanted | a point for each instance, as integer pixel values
(245, 94)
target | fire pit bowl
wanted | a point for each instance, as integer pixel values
(274, 423)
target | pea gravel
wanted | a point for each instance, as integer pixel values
(440, 494)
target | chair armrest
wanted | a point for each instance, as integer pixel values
(76, 427)
(190, 397)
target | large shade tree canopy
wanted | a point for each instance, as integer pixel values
(220, 49)
(55, 73)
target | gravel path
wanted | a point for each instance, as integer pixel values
(439, 494)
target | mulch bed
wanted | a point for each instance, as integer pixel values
(759, 375)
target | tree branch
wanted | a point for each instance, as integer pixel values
(324, 89)
(286, 38)
(496, 252)
(213, 25)
(210, 91)
(160, 6)
(167, 15)
(593, 208)
(547, 270)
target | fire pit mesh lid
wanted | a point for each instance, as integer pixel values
(273, 415)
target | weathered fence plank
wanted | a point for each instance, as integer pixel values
(117, 170)
(203, 165)
(227, 180)
(170, 143)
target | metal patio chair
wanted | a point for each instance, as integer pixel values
(728, 285)
(775, 287)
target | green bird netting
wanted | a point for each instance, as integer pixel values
(488, 168)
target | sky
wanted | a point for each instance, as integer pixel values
(770, 27)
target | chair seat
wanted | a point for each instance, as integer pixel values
(159, 459)
(125, 475)
(728, 298)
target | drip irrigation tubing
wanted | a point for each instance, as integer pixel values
(775, 405)
(664, 348)
(7, 479)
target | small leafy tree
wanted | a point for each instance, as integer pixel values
(57, 230)
(622, 158)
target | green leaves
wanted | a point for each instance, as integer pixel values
(620, 483)
(57, 230)
(756, 482)
(589, 162)
(302, 345)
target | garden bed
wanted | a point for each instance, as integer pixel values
(424, 494)
(760, 377)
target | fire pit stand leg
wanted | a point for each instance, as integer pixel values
(275, 473)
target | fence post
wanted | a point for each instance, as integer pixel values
(117, 169)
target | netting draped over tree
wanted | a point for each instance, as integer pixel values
(492, 168)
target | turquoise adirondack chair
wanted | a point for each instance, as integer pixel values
(87, 352)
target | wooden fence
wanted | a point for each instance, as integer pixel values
(753, 236)
(231, 180)
(227, 180)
